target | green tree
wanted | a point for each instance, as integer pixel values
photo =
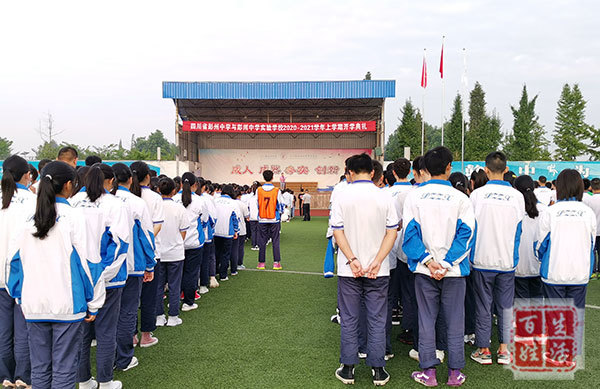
(408, 133)
(571, 131)
(5, 148)
(483, 135)
(453, 129)
(48, 150)
(148, 146)
(433, 136)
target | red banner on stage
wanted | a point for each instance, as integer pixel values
(360, 126)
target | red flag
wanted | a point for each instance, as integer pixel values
(442, 62)
(424, 74)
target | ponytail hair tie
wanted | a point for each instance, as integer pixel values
(48, 176)
(527, 189)
(186, 180)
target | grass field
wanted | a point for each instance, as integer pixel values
(272, 330)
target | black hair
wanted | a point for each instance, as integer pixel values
(586, 183)
(228, 190)
(401, 167)
(460, 182)
(54, 176)
(80, 179)
(388, 176)
(94, 180)
(360, 163)
(14, 168)
(549, 185)
(139, 171)
(268, 175)
(34, 173)
(153, 173)
(437, 160)
(524, 184)
(177, 180)
(42, 163)
(596, 184)
(418, 164)
(377, 170)
(496, 162)
(166, 186)
(342, 178)
(153, 185)
(542, 179)
(479, 178)
(510, 177)
(92, 159)
(569, 184)
(188, 180)
(122, 172)
(68, 153)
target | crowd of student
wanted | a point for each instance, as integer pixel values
(86, 249)
(452, 252)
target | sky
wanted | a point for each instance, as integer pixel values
(97, 67)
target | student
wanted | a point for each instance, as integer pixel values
(140, 267)
(365, 227)
(593, 202)
(197, 214)
(420, 171)
(209, 254)
(253, 208)
(140, 179)
(108, 238)
(460, 182)
(226, 230)
(329, 261)
(68, 155)
(18, 207)
(566, 233)
(499, 211)
(243, 215)
(91, 160)
(33, 173)
(269, 217)
(528, 284)
(59, 292)
(172, 254)
(306, 201)
(543, 193)
(478, 179)
(439, 228)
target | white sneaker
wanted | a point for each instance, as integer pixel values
(439, 354)
(255, 248)
(134, 362)
(241, 267)
(362, 355)
(161, 320)
(174, 321)
(111, 385)
(388, 356)
(94, 343)
(203, 290)
(89, 384)
(224, 279)
(470, 339)
(414, 354)
(186, 308)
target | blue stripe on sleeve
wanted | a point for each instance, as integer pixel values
(200, 228)
(544, 255)
(82, 288)
(517, 243)
(413, 245)
(460, 245)
(14, 283)
(143, 250)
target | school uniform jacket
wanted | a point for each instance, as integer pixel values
(227, 222)
(108, 237)
(499, 211)
(176, 221)
(154, 202)
(197, 215)
(242, 213)
(12, 221)
(209, 226)
(50, 277)
(398, 193)
(528, 265)
(141, 254)
(253, 207)
(566, 233)
(439, 224)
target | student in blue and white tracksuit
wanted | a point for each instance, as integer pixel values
(50, 277)
(172, 254)
(226, 230)
(253, 208)
(567, 231)
(208, 273)
(195, 209)
(18, 207)
(439, 230)
(528, 284)
(108, 237)
(242, 213)
(499, 211)
(140, 270)
(140, 181)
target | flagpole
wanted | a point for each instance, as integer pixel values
(462, 152)
(443, 87)
(423, 104)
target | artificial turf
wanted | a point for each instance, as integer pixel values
(272, 330)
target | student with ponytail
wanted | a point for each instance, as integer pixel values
(196, 212)
(226, 231)
(108, 238)
(528, 283)
(18, 206)
(140, 263)
(59, 292)
(208, 273)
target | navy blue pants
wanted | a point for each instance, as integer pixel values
(208, 249)
(241, 243)
(169, 273)
(105, 327)
(350, 293)
(470, 303)
(54, 354)
(497, 290)
(235, 253)
(597, 256)
(268, 231)
(528, 288)
(191, 273)
(223, 248)
(564, 293)
(445, 296)
(392, 303)
(410, 313)
(130, 301)
(148, 304)
(14, 343)
(254, 232)
(212, 259)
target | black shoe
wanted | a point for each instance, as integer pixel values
(406, 337)
(380, 376)
(345, 373)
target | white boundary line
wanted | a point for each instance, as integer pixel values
(592, 306)
(286, 271)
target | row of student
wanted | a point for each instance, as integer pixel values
(451, 249)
